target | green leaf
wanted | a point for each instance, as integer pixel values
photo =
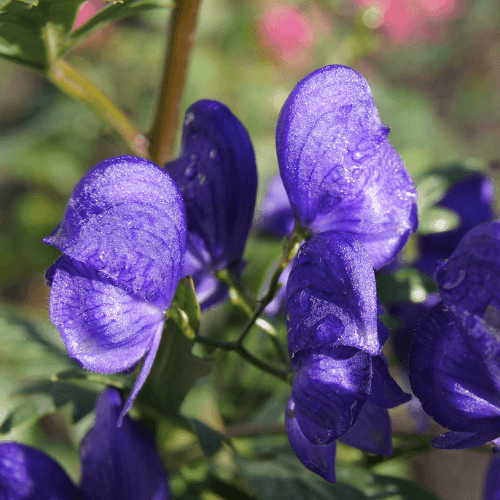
(37, 32)
(112, 12)
(29, 411)
(185, 310)
(119, 381)
(285, 477)
(175, 371)
(210, 440)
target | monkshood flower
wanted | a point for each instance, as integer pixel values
(342, 387)
(116, 463)
(455, 356)
(217, 175)
(123, 239)
(472, 200)
(339, 169)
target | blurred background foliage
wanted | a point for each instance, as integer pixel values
(434, 68)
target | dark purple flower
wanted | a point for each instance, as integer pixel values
(116, 463)
(339, 169)
(455, 357)
(472, 199)
(275, 213)
(123, 238)
(217, 175)
(342, 386)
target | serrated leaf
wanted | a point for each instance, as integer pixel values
(27, 412)
(62, 393)
(210, 439)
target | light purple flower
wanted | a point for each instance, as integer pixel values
(123, 238)
(339, 169)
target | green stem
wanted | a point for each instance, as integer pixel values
(181, 39)
(73, 83)
(290, 248)
(246, 355)
(238, 299)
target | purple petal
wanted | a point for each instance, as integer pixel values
(491, 489)
(126, 218)
(472, 199)
(102, 326)
(385, 392)
(331, 295)
(29, 474)
(469, 283)
(460, 440)
(275, 212)
(329, 390)
(120, 462)
(338, 168)
(217, 175)
(317, 458)
(371, 431)
(451, 379)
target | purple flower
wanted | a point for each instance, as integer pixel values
(472, 199)
(116, 463)
(217, 175)
(342, 387)
(339, 169)
(455, 357)
(123, 238)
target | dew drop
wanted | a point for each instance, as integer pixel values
(191, 171)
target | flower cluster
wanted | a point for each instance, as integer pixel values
(116, 463)
(349, 188)
(132, 229)
(454, 360)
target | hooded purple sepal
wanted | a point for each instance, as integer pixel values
(126, 219)
(120, 462)
(329, 390)
(275, 215)
(29, 474)
(453, 382)
(315, 457)
(217, 175)
(339, 169)
(371, 432)
(491, 488)
(123, 237)
(331, 296)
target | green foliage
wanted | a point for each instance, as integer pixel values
(38, 32)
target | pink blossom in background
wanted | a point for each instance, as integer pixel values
(87, 10)
(405, 20)
(286, 32)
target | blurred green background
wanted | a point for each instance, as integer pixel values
(434, 68)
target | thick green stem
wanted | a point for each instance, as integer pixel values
(73, 83)
(181, 39)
